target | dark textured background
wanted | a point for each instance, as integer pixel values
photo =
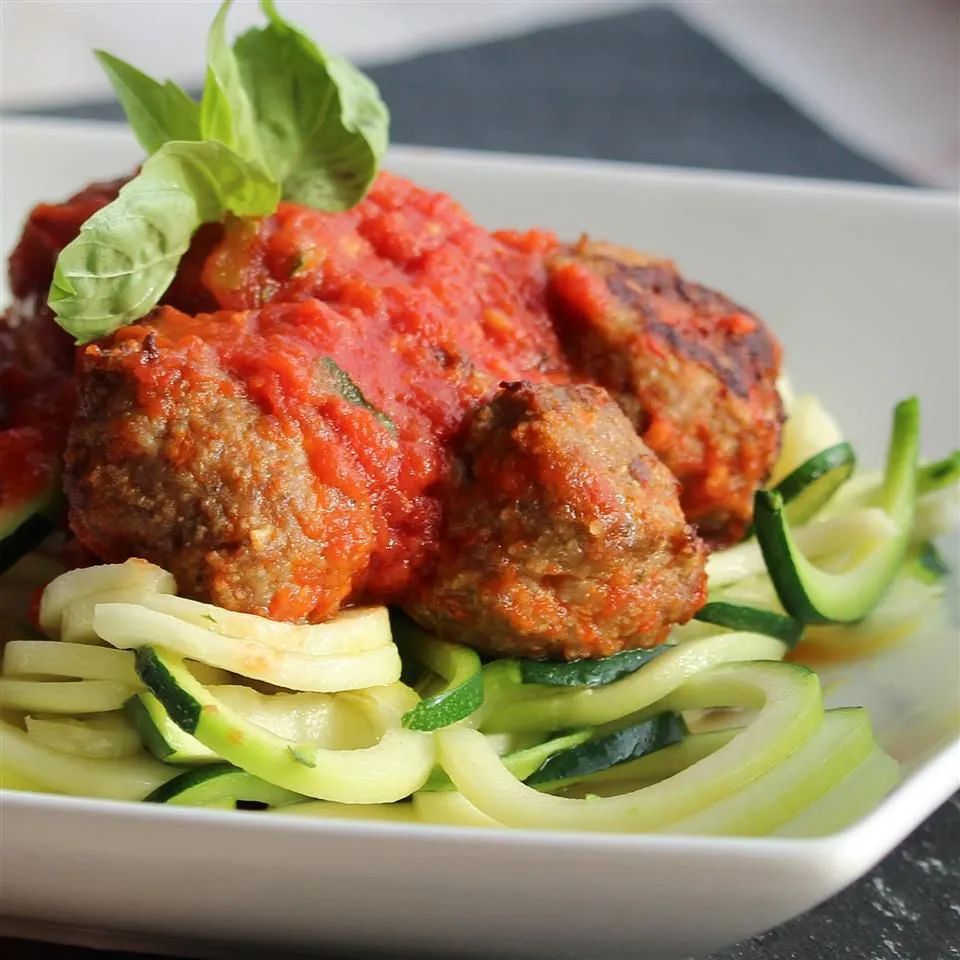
(638, 86)
(645, 86)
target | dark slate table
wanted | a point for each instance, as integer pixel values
(644, 86)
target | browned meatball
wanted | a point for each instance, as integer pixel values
(563, 535)
(184, 470)
(695, 373)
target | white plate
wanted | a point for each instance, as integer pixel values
(862, 285)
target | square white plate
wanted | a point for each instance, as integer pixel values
(863, 286)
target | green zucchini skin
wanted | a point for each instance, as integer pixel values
(459, 666)
(779, 556)
(813, 596)
(161, 735)
(810, 486)
(927, 563)
(446, 707)
(26, 524)
(736, 616)
(939, 474)
(606, 751)
(394, 767)
(587, 673)
(219, 785)
(182, 708)
(521, 763)
(28, 536)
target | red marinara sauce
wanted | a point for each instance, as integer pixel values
(34, 421)
(37, 389)
(424, 311)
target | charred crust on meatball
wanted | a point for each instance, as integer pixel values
(694, 371)
(148, 348)
(736, 362)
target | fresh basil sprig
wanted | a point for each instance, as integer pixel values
(225, 110)
(127, 253)
(157, 112)
(321, 122)
(278, 118)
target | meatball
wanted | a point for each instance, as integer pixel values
(168, 460)
(563, 535)
(695, 373)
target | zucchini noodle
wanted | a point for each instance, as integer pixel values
(99, 738)
(393, 768)
(11, 780)
(353, 631)
(41, 657)
(452, 809)
(88, 581)
(543, 708)
(853, 797)
(822, 538)
(843, 741)
(332, 722)
(131, 625)
(140, 694)
(129, 778)
(63, 696)
(809, 429)
(791, 712)
(655, 766)
(937, 513)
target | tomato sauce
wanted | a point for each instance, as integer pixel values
(33, 430)
(424, 311)
(37, 390)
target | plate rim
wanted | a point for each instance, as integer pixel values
(919, 195)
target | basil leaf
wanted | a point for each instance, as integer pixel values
(321, 122)
(126, 255)
(278, 117)
(343, 384)
(226, 113)
(157, 112)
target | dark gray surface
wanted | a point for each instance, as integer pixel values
(908, 908)
(644, 86)
(639, 86)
